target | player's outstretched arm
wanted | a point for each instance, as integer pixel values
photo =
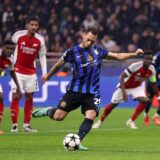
(123, 56)
(53, 70)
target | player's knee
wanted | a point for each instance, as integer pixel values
(145, 100)
(113, 105)
(15, 96)
(29, 97)
(1, 98)
(91, 114)
(58, 117)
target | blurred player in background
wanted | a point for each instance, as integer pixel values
(156, 63)
(29, 45)
(6, 61)
(131, 84)
(83, 89)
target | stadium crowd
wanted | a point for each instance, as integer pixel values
(124, 25)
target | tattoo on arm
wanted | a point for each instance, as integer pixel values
(56, 67)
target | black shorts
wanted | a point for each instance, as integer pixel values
(72, 100)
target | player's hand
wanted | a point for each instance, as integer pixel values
(139, 52)
(19, 93)
(44, 78)
(125, 96)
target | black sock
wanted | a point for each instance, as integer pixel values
(51, 112)
(148, 106)
(158, 111)
(85, 128)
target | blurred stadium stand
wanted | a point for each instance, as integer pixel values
(124, 24)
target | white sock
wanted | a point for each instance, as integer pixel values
(25, 125)
(14, 124)
(145, 114)
(156, 115)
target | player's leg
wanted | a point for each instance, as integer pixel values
(157, 114)
(139, 94)
(86, 126)
(14, 108)
(30, 86)
(28, 107)
(116, 99)
(1, 106)
(90, 106)
(156, 117)
(150, 94)
(67, 104)
(107, 110)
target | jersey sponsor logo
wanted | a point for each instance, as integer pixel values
(140, 79)
(91, 63)
(28, 50)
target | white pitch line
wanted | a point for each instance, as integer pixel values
(66, 130)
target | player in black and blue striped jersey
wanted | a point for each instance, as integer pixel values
(156, 63)
(83, 90)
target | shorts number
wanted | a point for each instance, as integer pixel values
(97, 101)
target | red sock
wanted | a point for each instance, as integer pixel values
(140, 107)
(28, 107)
(106, 111)
(14, 110)
(1, 110)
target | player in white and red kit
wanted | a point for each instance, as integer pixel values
(29, 45)
(131, 84)
(6, 61)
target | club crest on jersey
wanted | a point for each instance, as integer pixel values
(95, 51)
(63, 104)
(35, 44)
(90, 58)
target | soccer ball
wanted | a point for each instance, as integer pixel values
(71, 142)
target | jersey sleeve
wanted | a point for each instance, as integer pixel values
(67, 56)
(152, 78)
(17, 35)
(156, 61)
(42, 56)
(131, 69)
(43, 47)
(100, 51)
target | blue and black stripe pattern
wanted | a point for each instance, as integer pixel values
(156, 63)
(86, 65)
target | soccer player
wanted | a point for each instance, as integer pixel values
(6, 61)
(156, 63)
(29, 45)
(131, 84)
(83, 89)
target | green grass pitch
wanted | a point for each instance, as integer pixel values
(111, 142)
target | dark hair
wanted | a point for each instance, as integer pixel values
(92, 30)
(148, 52)
(33, 18)
(7, 42)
